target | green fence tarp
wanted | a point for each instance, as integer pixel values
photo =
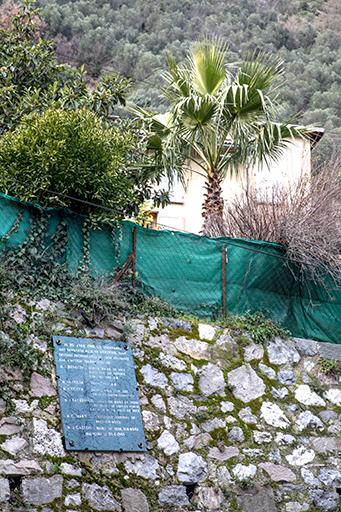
(182, 269)
(186, 270)
(265, 282)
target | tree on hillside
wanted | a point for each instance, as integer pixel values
(59, 132)
(221, 115)
(32, 80)
(133, 39)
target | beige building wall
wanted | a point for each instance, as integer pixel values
(185, 210)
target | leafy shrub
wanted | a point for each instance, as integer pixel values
(330, 367)
(72, 153)
(257, 325)
(97, 299)
(32, 79)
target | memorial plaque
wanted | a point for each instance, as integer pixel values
(98, 395)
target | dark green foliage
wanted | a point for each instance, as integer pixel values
(62, 146)
(3, 280)
(330, 367)
(257, 326)
(94, 299)
(76, 154)
(18, 354)
(31, 79)
(35, 271)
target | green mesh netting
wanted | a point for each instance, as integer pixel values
(186, 270)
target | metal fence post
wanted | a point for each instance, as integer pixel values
(131, 261)
(133, 264)
(223, 278)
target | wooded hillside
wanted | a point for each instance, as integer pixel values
(133, 37)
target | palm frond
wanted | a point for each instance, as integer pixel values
(259, 70)
(195, 110)
(272, 138)
(177, 79)
(208, 66)
(210, 103)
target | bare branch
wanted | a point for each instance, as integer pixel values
(305, 218)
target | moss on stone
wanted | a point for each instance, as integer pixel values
(45, 401)
(219, 435)
(233, 505)
(118, 481)
(42, 326)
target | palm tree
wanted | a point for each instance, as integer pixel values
(220, 116)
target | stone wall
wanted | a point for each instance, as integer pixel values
(231, 425)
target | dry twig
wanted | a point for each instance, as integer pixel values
(305, 218)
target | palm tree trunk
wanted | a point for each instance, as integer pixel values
(213, 205)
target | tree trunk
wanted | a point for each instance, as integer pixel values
(213, 205)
